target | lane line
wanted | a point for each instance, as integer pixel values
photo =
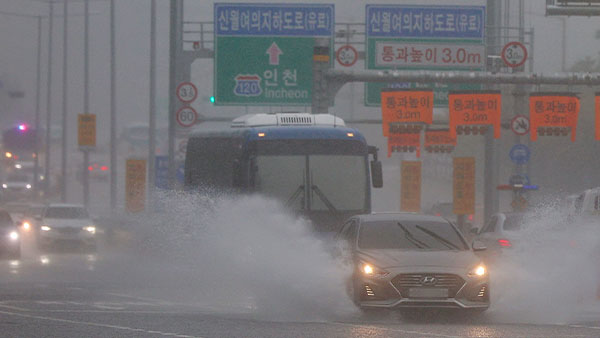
(14, 308)
(116, 327)
(586, 327)
(420, 333)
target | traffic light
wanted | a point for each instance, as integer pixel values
(212, 100)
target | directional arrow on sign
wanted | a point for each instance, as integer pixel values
(274, 51)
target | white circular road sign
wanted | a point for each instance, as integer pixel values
(187, 92)
(514, 54)
(520, 125)
(186, 116)
(346, 55)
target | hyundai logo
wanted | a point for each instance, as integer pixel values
(428, 281)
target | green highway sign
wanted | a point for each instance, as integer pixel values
(424, 38)
(264, 52)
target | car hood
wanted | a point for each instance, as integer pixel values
(387, 258)
(64, 223)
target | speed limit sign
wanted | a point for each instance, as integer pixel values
(187, 92)
(186, 116)
(346, 55)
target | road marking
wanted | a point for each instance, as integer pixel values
(586, 327)
(116, 327)
(13, 307)
(427, 334)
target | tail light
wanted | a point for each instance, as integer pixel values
(471, 218)
(505, 243)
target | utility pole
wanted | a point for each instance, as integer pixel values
(36, 161)
(113, 113)
(152, 103)
(48, 103)
(65, 108)
(86, 101)
(176, 17)
(490, 171)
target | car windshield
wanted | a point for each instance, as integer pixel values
(284, 178)
(410, 235)
(66, 212)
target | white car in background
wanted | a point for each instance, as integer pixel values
(65, 225)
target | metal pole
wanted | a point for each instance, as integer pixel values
(36, 163)
(86, 101)
(113, 113)
(152, 117)
(48, 103)
(563, 63)
(174, 36)
(64, 97)
(490, 201)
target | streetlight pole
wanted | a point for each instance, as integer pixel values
(65, 108)
(36, 165)
(113, 113)
(86, 101)
(48, 102)
(152, 117)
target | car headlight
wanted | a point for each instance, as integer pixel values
(13, 235)
(28, 186)
(478, 271)
(45, 228)
(26, 226)
(5, 186)
(371, 270)
(91, 229)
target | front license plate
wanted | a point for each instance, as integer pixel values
(428, 293)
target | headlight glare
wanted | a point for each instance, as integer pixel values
(372, 271)
(5, 186)
(91, 229)
(45, 228)
(478, 271)
(28, 186)
(13, 235)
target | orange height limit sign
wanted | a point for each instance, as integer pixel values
(475, 108)
(553, 110)
(406, 106)
(410, 186)
(464, 185)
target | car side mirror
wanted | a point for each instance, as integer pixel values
(376, 174)
(474, 231)
(478, 246)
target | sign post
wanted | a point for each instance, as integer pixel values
(424, 37)
(263, 52)
(410, 189)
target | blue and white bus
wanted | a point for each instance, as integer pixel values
(314, 164)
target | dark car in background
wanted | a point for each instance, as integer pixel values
(404, 260)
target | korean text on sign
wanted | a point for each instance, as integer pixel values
(419, 55)
(464, 185)
(410, 186)
(462, 22)
(273, 20)
(553, 110)
(406, 106)
(475, 108)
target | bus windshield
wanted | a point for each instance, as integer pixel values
(336, 182)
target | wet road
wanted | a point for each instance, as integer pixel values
(112, 293)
